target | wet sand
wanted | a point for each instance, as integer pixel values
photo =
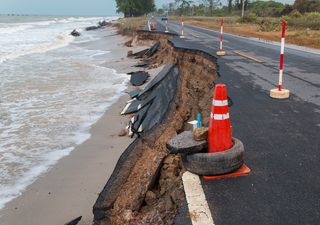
(71, 187)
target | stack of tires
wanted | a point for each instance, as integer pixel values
(198, 161)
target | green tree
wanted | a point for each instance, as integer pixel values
(211, 4)
(135, 7)
(307, 5)
(230, 5)
(183, 6)
(266, 8)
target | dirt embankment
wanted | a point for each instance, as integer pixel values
(148, 188)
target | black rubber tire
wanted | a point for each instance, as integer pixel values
(218, 163)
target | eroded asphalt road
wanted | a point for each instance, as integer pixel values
(281, 137)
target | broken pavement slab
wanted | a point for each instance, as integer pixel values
(184, 143)
(142, 64)
(135, 105)
(138, 78)
(134, 93)
(152, 50)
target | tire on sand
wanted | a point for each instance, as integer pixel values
(217, 163)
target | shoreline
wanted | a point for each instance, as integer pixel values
(70, 187)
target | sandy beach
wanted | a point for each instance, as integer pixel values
(71, 187)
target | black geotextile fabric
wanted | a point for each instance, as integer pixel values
(152, 50)
(165, 92)
(141, 64)
(139, 117)
(148, 93)
(139, 78)
(139, 54)
(98, 207)
(157, 94)
(136, 104)
(134, 93)
(163, 73)
(148, 51)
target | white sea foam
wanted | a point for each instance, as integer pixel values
(19, 39)
(48, 102)
(9, 192)
(59, 42)
(12, 29)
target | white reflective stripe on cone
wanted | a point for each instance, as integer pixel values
(219, 102)
(220, 116)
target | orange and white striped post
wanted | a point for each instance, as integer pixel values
(281, 93)
(221, 52)
(182, 27)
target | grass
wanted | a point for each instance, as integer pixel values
(133, 23)
(298, 32)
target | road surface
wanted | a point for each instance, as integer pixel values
(281, 137)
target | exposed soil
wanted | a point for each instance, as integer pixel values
(149, 189)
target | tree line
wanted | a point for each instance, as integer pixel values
(132, 8)
(234, 7)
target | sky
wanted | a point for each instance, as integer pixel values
(70, 7)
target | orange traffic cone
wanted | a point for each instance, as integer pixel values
(219, 134)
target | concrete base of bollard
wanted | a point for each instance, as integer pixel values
(283, 94)
(181, 36)
(167, 31)
(221, 53)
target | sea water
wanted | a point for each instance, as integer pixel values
(52, 89)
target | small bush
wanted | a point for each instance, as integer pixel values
(249, 18)
(287, 10)
(267, 25)
(308, 20)
(295, 14)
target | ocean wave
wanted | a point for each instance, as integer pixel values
(59, 42)
(10, 30)
(75, 119)
(79, 19)
(11, 191)
(44, 23)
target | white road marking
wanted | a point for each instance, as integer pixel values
(198, 207)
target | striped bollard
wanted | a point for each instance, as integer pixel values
(221, 52)
(280, 93)
(149, 28)
(182, 27)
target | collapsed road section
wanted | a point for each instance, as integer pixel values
(146, 185)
